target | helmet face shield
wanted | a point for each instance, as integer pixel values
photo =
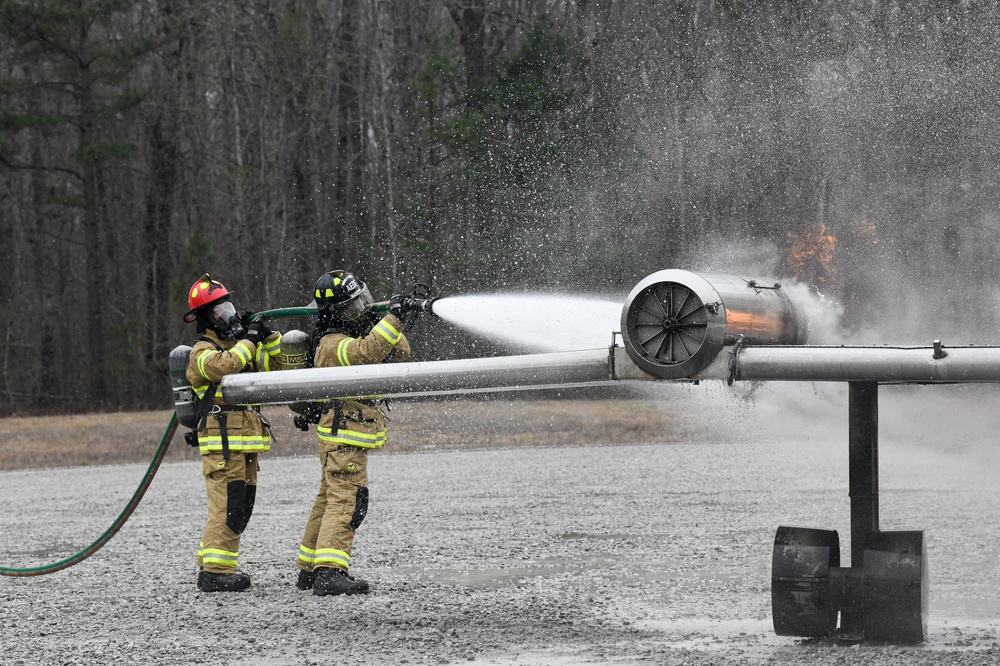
(223, 318)
(354, 308)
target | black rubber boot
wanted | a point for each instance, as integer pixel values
(306, 578)
(216, 582)
(336, 581)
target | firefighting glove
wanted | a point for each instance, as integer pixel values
(257, 331)
(399, 306)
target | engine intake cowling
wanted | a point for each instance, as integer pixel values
(675, 322)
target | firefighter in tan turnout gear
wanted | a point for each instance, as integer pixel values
(229, 438)
(347, 333)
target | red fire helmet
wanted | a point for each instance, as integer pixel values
(203, 293)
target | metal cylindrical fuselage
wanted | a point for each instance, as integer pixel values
(904, 365)
(676, 322)
(427, 377)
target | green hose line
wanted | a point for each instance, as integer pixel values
(307, 311)
(282, 312)
(116, 525)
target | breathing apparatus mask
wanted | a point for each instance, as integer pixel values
(222, 318)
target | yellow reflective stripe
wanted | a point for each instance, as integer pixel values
(243, 448)
(342, 351)
(266, 350)
(388, 331)
(219, 552)
(326, 556)
(274, 346)
(243, 350)
(216, 445)
(206, 441)
(201, 390)
(351, 437)
(247, 443)
(226, 558)
(201, 361)
(306, 554)
(236, 439)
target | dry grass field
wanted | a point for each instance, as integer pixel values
(132, 437)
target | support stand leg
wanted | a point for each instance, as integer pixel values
(863, 466)
(882, 595)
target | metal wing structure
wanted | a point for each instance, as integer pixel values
(679, 325)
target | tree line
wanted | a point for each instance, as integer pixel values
(474, 145)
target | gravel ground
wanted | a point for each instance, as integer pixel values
(655, 553)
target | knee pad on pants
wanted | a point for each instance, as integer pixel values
(360, 507)
(239, 505)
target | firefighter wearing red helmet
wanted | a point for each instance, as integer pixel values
(346, 334)
(229, 438)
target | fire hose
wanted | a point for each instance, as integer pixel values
(420, 300)
(118, 523)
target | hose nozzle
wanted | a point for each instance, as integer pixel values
(421, 304)
(417, 301)
(411, 303)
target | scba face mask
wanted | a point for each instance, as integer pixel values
(223, 318)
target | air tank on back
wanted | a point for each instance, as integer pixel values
(185, 403)
(676, 322)
(294, 349)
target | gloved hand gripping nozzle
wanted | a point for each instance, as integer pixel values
(407, 307)
(417, 301)
(412, 304)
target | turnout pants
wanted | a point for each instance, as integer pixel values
(339, 509)
(232, 489)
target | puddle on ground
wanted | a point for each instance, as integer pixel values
(965, 609)
(52, 552)
(705, 634)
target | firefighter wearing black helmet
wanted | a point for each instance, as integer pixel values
(346, 334)
(228, 438)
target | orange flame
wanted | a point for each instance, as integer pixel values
(810, 256)
(865, 228)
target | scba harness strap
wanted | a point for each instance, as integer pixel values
(220, 411)
(312, 412)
